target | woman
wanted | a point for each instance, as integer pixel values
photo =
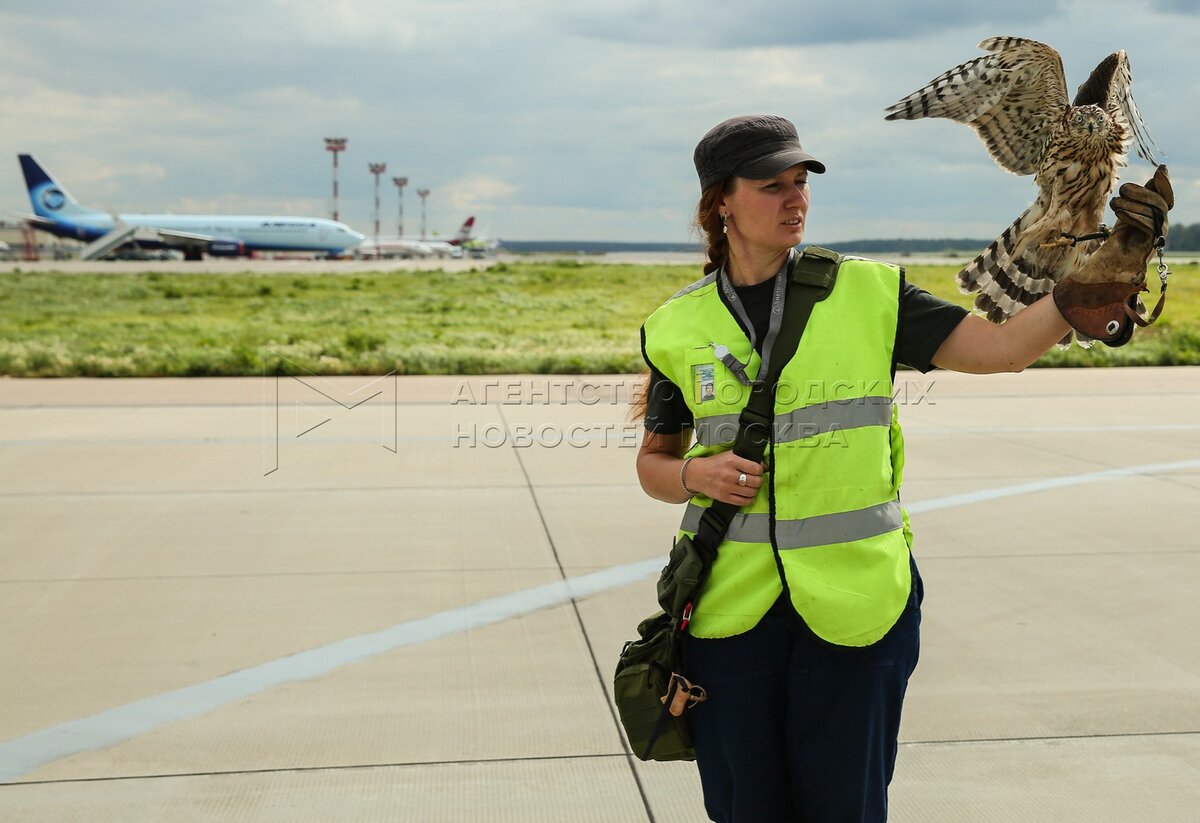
(807, 630)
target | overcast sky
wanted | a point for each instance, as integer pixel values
(546, 119)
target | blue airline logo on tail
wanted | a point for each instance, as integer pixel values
(53, 199)
(49, 199)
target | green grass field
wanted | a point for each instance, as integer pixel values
(536, 317)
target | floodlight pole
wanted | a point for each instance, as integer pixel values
(335, 145)
(400, 182)
(422, 193)
(377, 169)
(29, 241)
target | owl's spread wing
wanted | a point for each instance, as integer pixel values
(1110, 86)
(1013, 98)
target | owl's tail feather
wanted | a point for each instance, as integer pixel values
(1009, 274)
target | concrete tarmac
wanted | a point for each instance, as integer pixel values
(301, 599)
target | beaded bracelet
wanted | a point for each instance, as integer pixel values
(683, 482)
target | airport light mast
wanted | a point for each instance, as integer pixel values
(400, 182)
(377, 169)
(29, 241)
(422, 193)
(335, 145)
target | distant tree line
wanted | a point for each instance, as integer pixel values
(904, 244)
(1184, 238)
(1179, 238)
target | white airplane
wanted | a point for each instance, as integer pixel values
(482, 246)
(414, 247)
(57, 212)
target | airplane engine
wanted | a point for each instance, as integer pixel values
(226, 248)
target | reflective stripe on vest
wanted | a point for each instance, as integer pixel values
(801, 423)
(834, 466)
(839, 527)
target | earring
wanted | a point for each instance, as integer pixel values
(725, 223)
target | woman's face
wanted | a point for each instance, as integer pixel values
(768, 214)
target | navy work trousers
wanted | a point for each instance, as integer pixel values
(796, 730)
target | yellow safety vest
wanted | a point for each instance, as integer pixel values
(827, 519)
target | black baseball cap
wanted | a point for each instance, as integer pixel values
(755, 146)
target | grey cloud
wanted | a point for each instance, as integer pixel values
(224, 57)
(1176, 6)
(585, 136)
(756, 23)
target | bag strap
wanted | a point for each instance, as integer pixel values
(811, 278)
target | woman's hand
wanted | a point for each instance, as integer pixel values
(717, 477)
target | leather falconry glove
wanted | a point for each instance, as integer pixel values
(1101, 299)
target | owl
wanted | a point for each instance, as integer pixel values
(1016, 100)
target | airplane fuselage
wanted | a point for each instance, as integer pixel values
(57, 212)
(255, 232)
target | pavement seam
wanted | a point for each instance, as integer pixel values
(311, 490)
(970, 741)
(582, 629)
(486, 761)
(556, 758)
(334, 440)
(1173, 473)
(506, 569)
(576, 402)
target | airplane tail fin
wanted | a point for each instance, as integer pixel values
(464, 233)
(49, 199)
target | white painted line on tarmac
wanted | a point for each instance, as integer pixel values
(1113, 428)
(22, 755)
(1048, 484)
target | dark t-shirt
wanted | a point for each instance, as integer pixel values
(924, 324)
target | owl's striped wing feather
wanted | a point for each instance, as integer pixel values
(1013, 98)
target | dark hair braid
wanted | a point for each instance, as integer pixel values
(708, 220)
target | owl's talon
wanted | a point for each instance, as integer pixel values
(1102, 232)
(1058, 242)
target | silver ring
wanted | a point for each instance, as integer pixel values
(742, 479)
